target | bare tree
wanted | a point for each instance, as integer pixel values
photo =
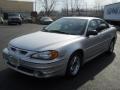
(86, 8)
(48, 6)
(98, 8)
(79, 5)
(72, 6)
(66, 8)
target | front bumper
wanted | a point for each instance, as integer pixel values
(40, 70)
(14, 21)
(45, 22)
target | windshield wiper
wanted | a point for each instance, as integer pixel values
(56, 31)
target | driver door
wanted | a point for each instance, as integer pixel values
(92, 44)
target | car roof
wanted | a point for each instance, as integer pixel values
(89, 18)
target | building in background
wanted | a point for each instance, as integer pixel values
(23, 7)
(112, 13)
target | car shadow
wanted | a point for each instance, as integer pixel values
(11, 80)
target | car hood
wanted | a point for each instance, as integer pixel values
(40, 40)
(47, 20)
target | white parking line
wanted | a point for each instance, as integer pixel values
(118, 34)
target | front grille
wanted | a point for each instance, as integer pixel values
(23, 52)
(13, 49)
(25, 69)
(14, 19)
(20, 51)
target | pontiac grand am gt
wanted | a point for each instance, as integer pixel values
(61, 48)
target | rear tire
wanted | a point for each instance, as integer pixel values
(111, 47)
(74, 65)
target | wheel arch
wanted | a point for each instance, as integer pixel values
(80, 52)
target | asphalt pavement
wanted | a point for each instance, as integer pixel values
(102, 73)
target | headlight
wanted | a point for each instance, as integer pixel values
(46, 55)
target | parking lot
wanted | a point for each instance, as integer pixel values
(102, 73)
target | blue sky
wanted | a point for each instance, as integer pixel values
(60, 3)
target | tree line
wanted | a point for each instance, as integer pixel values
(71, 8)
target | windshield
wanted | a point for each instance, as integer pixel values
(67, 26)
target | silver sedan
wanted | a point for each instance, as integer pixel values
(61, 48)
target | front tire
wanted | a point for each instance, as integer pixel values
(9, 23)
(74, 65)
(20, 23)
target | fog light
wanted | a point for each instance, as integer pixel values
(38, 74)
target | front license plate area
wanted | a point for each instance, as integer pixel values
(12, 60)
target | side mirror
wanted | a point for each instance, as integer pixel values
(92, 32)
(101, 27)
(43, 28)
